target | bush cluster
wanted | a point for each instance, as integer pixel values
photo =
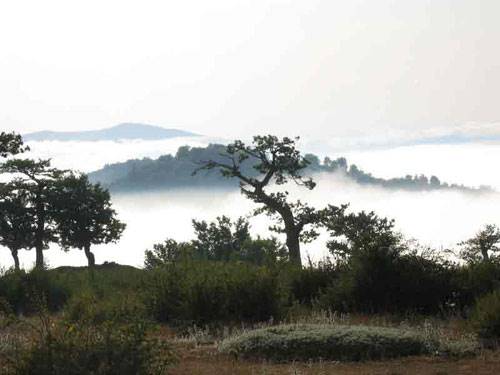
(313, 342)
(63, 348)
(204, 292)
(486, 317)
(25, 291)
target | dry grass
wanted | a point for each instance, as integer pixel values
(205, 359)
(198, 354)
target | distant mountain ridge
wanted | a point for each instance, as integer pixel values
(124, 131)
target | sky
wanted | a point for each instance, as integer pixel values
(320, 68)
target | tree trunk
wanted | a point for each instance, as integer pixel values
(486, 256)
(15, 255)
(40, 232)
(293, 245)
(89, 255)
(39, 256)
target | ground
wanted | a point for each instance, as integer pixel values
(205, 360)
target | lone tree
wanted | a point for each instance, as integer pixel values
(84, 215)
(16, 220)
(37, 179)
(271, 160)
(483, 246)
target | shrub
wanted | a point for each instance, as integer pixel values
(385, 282)
(486, 316)
(304, 286)
(206, 292)
(66, 348)
(88, 307)
(475, 280)
(314, 342)
(25, 291)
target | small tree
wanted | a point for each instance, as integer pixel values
(271, 160)
(483, 246)
(37, 180)
(16, 221)
(358, 234)
(84, 215)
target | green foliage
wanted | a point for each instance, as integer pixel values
(222, 240)
(84, 215)
(62, 348)
(305, 286)
(313, 342)
(384, 282)
(93, 308)
(473, 281)
(25, 291)
(486, 316)
(11, 144)
(36, 181)
(277, 161)
(484, 246)
(210, 292)
(172, 171)
(17, 220)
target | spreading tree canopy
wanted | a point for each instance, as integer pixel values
(16, 220)
(37, 181)
(276, 161)
(84, 215)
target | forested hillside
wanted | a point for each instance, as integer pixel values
(171, 171)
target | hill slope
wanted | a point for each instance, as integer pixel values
(173, 171)
(115, 133)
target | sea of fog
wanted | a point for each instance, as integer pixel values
(440, 219)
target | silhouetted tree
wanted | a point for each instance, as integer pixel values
(275, 161)
(483, 246)
(84, 215)
(16, 220)
(37, 180)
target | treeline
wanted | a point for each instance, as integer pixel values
(40, 205)
(172, 171)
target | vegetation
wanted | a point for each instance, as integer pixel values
(334, 343)
(174, 171)
(483, 246)
(208, 293)
(84, 215)
(486, 316)
(367, 301)
(40, 205)
(221, 240)
(275, 161)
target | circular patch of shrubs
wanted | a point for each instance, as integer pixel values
(313, 342)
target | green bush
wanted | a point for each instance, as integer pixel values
(305, 286)
(209, 292)
(486, 316)
(314, 342)
(475, 280)
(89, 307)
(384, 282)
(74, 349)
(25, 292)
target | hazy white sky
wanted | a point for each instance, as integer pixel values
(237, 67)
